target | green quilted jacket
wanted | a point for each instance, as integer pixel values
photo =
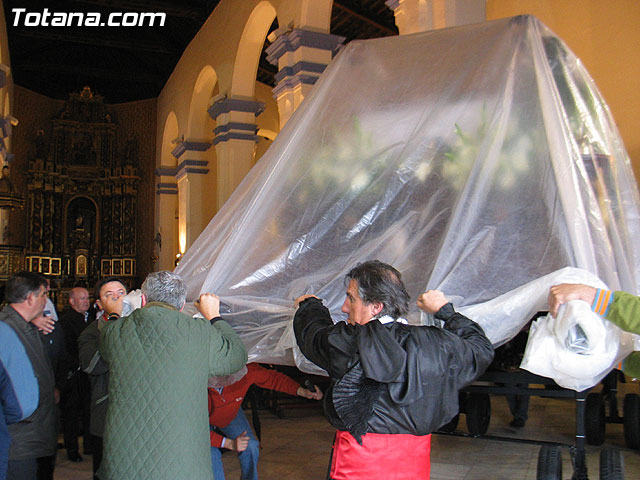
(625, 313)
(157, 424)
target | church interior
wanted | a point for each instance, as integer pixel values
(120, 144)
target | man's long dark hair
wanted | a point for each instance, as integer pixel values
(380, 282)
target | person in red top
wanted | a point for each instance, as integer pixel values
(225, 414)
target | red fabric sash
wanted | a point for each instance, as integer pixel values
(388, 456)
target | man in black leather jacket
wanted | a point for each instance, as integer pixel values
(392, 384)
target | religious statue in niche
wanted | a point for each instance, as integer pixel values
(79, 236)
(81, 217)
(83, 152)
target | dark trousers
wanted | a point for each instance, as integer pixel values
(45, 467)
(40, 468)
(75, 407)
(519, 404)
(22, 469)
(96, 444)
(330, 459)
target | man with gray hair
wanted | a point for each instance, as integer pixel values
(159, 362)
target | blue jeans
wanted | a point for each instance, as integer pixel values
(248, 459)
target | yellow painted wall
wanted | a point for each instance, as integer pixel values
(605, 35)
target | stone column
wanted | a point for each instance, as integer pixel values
(235, 142)
(301, 56)
(194, 194)
(167, 241)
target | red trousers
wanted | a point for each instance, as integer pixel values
(381, 456)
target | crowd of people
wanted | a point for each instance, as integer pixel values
(139, 385)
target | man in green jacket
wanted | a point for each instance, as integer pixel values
(620, 308)
(159, 362)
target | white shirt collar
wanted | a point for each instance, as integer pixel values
(388, 319)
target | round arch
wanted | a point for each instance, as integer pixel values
(170, 138)
(200, 124)
(249, 49)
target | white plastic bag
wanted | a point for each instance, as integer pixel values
(577, 349)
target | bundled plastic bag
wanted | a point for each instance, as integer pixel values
(577, 349)
(132, 301)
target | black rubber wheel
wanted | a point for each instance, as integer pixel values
(594, 419)
(631, 412)
(478, 410)
(451, 426)
(549, 463)
(611, 464)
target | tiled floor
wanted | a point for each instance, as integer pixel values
(297, 446)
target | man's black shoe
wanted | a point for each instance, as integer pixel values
(517, 422)
(74, 457)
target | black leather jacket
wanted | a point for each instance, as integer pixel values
(397, 378)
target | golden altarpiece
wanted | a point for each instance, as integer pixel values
(81, 197)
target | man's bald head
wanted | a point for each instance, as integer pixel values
(79, 299)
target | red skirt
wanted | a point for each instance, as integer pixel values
(388, 456)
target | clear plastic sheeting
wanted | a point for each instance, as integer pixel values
(474, 159)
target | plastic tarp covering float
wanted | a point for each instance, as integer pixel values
(475, 159)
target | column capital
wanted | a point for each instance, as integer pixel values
(227, 105)
(293, 40)
(190, 145)
(199, 167)
(302, 72)
(237, 131)
(166, 178)
(234, 117)
(196, 167)
(6, 125)
(166, 188)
